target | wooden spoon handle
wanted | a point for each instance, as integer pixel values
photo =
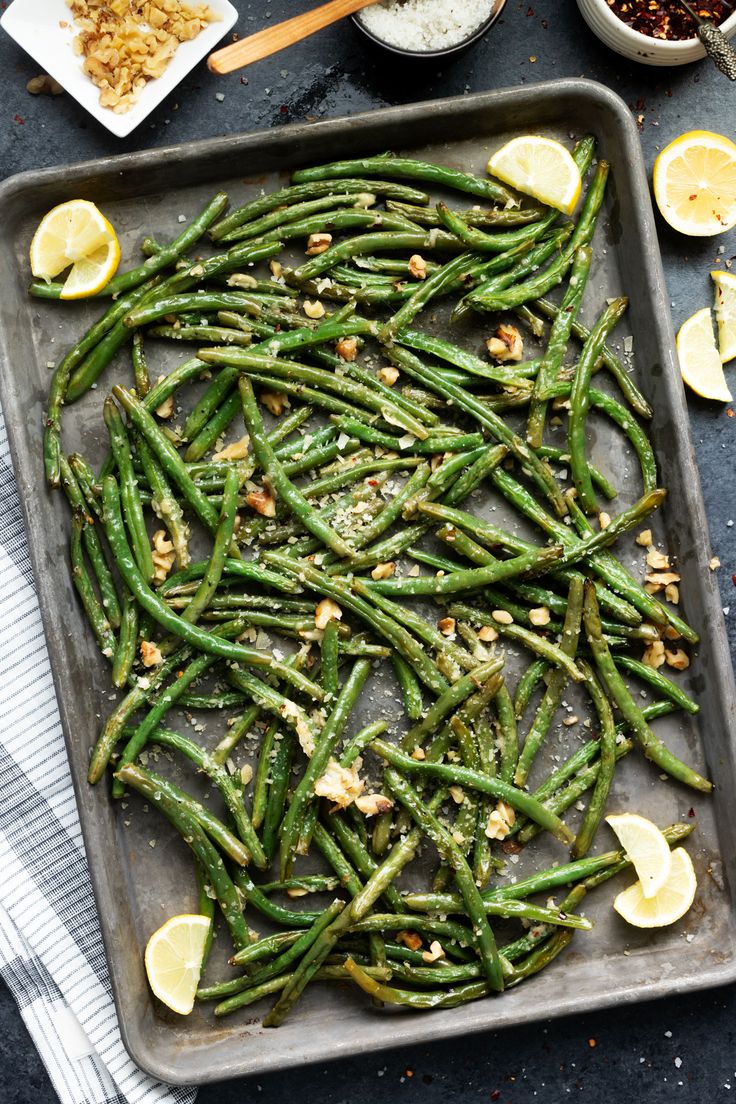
(272, 39)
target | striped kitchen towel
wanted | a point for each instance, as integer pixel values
(51, 953)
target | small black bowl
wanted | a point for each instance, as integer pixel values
(430, 55)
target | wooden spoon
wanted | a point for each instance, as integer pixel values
(272, 39)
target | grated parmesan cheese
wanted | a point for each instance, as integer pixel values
(425, 25)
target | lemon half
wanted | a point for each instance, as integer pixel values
(539, 167)
(669, 904)
(695, 183)
(700, 360)
(75, 234)
(174, 957)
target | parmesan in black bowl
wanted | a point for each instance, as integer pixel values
(428, 28)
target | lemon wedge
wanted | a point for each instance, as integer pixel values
(75, 234)
(669, 904)
(647, 849)
(174, 956)
(695, 183)
(700, 361)
(539, 167)
(725, 311)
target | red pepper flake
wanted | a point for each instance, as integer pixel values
(284, 110)
(21, 122)
(408, 1073)
(733, 579)
(495, 1094)
(659, 19)
(730, 413)
(691, 812)
(592, 1043)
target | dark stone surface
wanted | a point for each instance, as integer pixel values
(680, 1048)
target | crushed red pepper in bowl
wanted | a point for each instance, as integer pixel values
(665, 18)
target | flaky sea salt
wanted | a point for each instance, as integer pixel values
(425, 25)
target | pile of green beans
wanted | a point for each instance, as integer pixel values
(288, 518)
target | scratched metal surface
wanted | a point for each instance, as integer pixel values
(137, 885)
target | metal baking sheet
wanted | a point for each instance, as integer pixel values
(138, 885)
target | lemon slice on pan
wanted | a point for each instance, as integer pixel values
(174, 956)
(539, 167)
(646, 847)
(669, 904)
(695, 183)
(725, 311)
(700, 361)
(75, 234)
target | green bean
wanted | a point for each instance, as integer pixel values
(459, 692)
(580, 402)
(194, 836)
(527, 685)
(234, 569)
(96, 615)
(410, 690)
(604, 781)
(656, 679)
(474, 216)
(324, 747)
(140, 368)
(152, 604)
(557, 344)
(223, 541)
(281, 216)
(91, 542)
(360, 741)
(407, 167)
(329, 660)
(165, 504)
(205, 907)
(652, 746)
(132, 509)
(468, 362)
(540, 645)
(470, 578)
(494, 787)
(435, 284)
(125, 649)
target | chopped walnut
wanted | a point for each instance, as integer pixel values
(654, 654)
(419, 754)
(246, 773)
(166, 409)
(275, 402)
(163, 555)
(277, 269)
(644, 538)
(672, 593)
(262, 502)
(388, 375)
(604, 519)
(44, 85)
(340, 785)
(326, 611)
(150, 654)
(501, 821)
(373, 804)
(503, 617)
(506, 344)
(678, 659)
(446, 625)
(670, 633)
(539, 616)
(713, 563)
(662, 578)
(242, 280)
(413, 571)
(457, 794)
(237, 450)
(418, 267)
(296, 891)
(435, 952)
(657, 560)
(410, 939)
(313, 308)
(318, 243)
(487, 633)
(347, 348)
(383, 570)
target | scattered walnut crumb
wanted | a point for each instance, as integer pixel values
(388, 375)
(413, 571)
(262, 502)
(500, 822)
(410, 939)
(672, 593)
(275, 402)
(166, 409)
(644, 538)
(347, 348)
(418, 266)
(539, 616)
(242, 280)
(435, 952)
(383, 570)
(163, 555)
(373, 804)
(318, 243)
(571, 720)
(503, 617)
(340, 785)
(506, 344)
(44, 85)
(419, 754)
(237, 450)
(670, 633)
(150, 654)
(446, 625)
(326, 611)
(487, 633)
(246, 773)
(295, 891)
(657, 560)
(457, 794)
(604, 519)
(654, 654)
(677, 659)
(277, 269)
(713, 563)
(313, 308)
(661, 579)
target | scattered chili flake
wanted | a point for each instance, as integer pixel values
(592, 1043)
(495, 1094)
(729, 413)
(658, 19)
(691, 812)
(20, 121)
(408, 1073)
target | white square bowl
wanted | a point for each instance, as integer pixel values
(45, 29)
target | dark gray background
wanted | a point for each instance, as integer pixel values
(681, 1048)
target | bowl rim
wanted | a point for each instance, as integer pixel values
(636, 38)
(445, 51)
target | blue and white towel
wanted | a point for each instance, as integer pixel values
(51, 952)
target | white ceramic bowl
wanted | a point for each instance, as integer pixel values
(639, 47)
(45, 30)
